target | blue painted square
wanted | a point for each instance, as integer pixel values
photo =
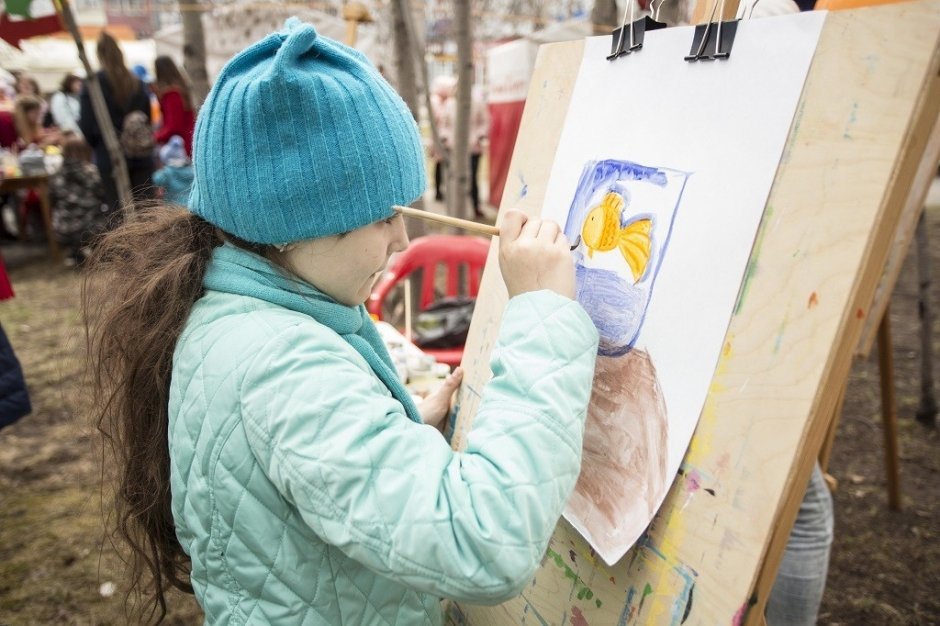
(612, 295)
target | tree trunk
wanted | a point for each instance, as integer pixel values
(404, 56)
(405, 52)
(416, 46)
(459, 170)
(194, 52)
(604, 16)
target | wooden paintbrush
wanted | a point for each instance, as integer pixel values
(473, 227)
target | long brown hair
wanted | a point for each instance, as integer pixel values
(123, 83)
(143, 279)
(67, 81)
(27, 130)
(168, 75)
(76, 149)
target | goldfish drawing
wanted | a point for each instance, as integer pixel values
(603, 230)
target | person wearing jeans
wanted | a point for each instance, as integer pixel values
(797, 592)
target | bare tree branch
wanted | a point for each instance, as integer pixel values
(194, 53)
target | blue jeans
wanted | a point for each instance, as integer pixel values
(801, 579)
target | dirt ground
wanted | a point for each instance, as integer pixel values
(885, 566)
(57, 566)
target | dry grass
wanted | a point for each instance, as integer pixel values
(54, 550)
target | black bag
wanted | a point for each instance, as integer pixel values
(444, 324)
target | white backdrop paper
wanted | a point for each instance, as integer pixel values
(722, 126)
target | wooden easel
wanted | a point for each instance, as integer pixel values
(850, 161)
(878, 324)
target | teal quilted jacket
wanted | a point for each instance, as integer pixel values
(304, 494)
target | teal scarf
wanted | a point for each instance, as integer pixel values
(236, 271)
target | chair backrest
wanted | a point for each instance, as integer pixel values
(426, 254)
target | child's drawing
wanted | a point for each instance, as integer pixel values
(622, 215)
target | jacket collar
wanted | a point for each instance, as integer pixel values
(240, 272)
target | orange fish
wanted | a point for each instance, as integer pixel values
(602, 231)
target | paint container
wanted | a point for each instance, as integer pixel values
(425, 375)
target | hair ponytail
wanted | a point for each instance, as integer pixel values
(143, 279)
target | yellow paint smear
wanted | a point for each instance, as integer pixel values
(701, 444)
(666, 583)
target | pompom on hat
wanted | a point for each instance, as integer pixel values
(301, 137)
(174, 152)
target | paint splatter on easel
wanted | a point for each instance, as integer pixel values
(577, 617)
(584, 592)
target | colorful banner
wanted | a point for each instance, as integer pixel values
(22, 19)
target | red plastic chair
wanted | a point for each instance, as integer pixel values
(426, 253)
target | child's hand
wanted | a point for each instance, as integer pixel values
(437, 405)
(534, 255)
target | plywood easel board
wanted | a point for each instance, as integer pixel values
(861, 128)
(913, 207)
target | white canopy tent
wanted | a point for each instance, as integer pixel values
(229, 29)
(509, 68)
(49, 59)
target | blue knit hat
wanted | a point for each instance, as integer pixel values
(301, 137)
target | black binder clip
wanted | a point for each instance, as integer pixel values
(629, 37)
(713, 40)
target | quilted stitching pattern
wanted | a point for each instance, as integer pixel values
(304, 495)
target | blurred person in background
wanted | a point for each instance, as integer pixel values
(26, 85)
(65, 107)
(175, 178)
(179, 116)
(27, 117)
(442, 90)
(147, 79)
(14, 397)
(124, 93)
(479, 128)
(7, 103)
(79, 211)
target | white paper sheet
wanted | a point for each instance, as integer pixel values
(694, 148)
